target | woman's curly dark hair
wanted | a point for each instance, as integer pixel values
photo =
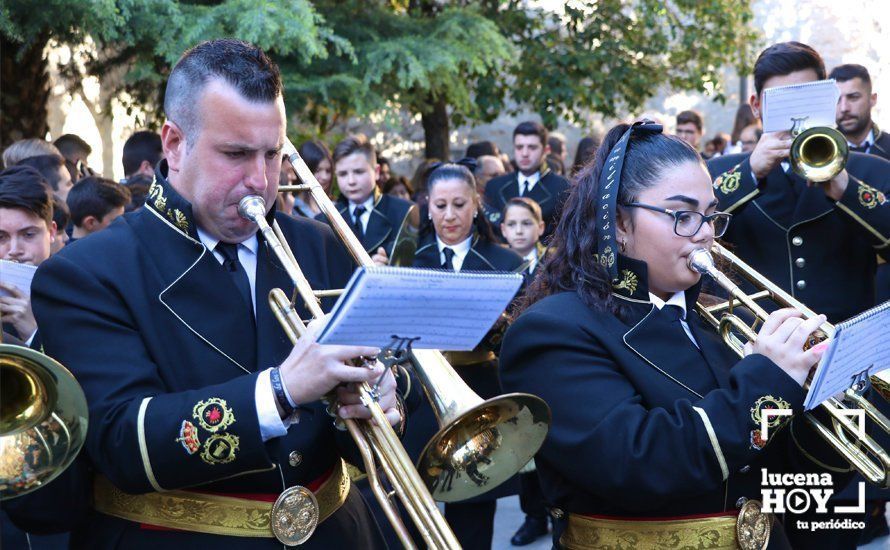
(572, 265)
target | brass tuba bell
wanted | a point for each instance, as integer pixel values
(819, 153)
(43, 420)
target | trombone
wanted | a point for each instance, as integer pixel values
(43, 420)
(481, 443)
(863, 453)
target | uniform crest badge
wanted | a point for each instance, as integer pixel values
(729, 182)
(213, 415)
(188, 437)
(220, 449)
(757, 441)
(768, 402)
(870, 197)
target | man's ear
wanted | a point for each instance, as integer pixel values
(89, 223)
(146, 168)
(754, 102)
(873, 100)
(53, 229)
(174, 145)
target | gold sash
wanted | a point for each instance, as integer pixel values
(212, 514)
(585, 533)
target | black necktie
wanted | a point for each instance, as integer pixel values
(675, 315)
(449, 259)
(862, 149)
(229, 252)
(357, 225)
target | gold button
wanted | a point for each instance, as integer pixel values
(797, 241)
(557, 513)
(295, 458)
(800, 262)
(801, 285)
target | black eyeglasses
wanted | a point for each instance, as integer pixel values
(688, 222)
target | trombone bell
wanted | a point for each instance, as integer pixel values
(43, 420)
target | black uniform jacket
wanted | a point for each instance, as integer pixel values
(550, 192)
(881, 146)
(819, 250)
(387, 217)
(481, 377)
(643, 425)
(154, 330)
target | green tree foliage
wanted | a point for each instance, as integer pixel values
(447, 61)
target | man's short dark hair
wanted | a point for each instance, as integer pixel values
(843, 73)
(61, 214)
(355, 143)
(690, 117)
(23, 188)
(71, 145)
(483, 148)
(95, 196)
(785, 58)
(48, 166)
(139, 147)
(240, 64)
(531, 128)
(557, 144)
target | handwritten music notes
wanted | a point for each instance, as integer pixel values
(814, 101)
(436, 309)
(17, 275)
(859, 344)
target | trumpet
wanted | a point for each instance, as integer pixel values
(818, 153)
(862, 452)
(481, 443)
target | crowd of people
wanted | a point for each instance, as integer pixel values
(151, 291)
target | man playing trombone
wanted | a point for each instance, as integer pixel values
(201, 411)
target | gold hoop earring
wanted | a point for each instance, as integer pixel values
(622, 246)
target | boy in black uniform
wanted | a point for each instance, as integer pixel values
(533, 179)
(375, 218)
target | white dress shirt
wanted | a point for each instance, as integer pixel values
(527, 183)
(461, 250)
(369, 205)
(271, 424)
(532, 259)
(679, 300)
(868, 140)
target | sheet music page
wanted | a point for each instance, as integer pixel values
(442, 310)
(859, 345)
(17, 275)
(817, 101)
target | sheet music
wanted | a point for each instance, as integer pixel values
(817, 101)
(858, 344)
(18, 275)
(443, 310)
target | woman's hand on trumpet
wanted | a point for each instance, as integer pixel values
(781, 339)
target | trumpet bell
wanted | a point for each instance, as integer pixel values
(484, 446)
(43, 420)
(819, 154)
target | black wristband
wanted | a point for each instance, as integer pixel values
(280, 395)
